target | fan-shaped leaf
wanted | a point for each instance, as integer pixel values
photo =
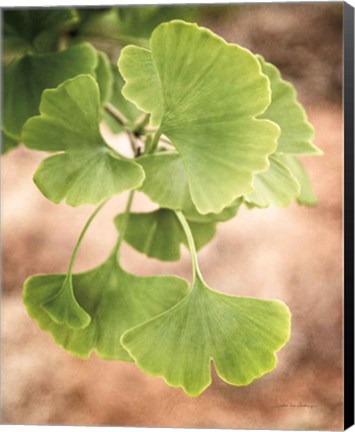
(239, 334)
(114, 299)
(86, 170)
(166, 184)
(204, 94)
(158, 234)
(26, 78)
(277, 186)
(296, 131)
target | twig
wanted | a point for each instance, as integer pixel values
(116, 114)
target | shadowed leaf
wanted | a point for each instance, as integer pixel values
(306, 196)
(26, 78)
(277, 186)
(158, 234)
(296, 131)
(37, 28)
(114, 299)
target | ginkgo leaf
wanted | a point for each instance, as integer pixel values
(277, 186)
(86, 170)
(158, 234)
(22, 96)
(239, 334)
(139, 22)
(37, 28)
(114, 299)
(296, 131)
(104, 77)
(166, 184)
(306, 196)
(204, 95)
(129, 24)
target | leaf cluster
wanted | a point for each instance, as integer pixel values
(212, 127)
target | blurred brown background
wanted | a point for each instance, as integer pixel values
(292, 254)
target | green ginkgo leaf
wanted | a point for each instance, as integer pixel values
(166, 184)
(204, 94)
(296, 131)
(277, 186)
(158, 234)
(129, 24)
(37, 29)
(114, 299)
(239, 334)
(306, 195)
(26, 78)
(86, 170)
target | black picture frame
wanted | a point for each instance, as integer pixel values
(348, 100)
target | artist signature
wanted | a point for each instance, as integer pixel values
(294, 405)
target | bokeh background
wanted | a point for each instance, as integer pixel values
(292, 254)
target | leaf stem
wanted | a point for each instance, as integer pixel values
(123, 230)
(155, 142)
(81, 236)
(190, 240)
(134, 145)
(121, 119)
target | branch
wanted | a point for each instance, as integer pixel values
(121, 119)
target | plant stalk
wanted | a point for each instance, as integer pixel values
(155, 142)
(126, 214)
(190, 240)
(121, 119)
(82, 235)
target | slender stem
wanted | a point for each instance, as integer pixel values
(123, 230)
(155, 141)
(121, 119)
(81, 236)
(190, 240)
(134, 145)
